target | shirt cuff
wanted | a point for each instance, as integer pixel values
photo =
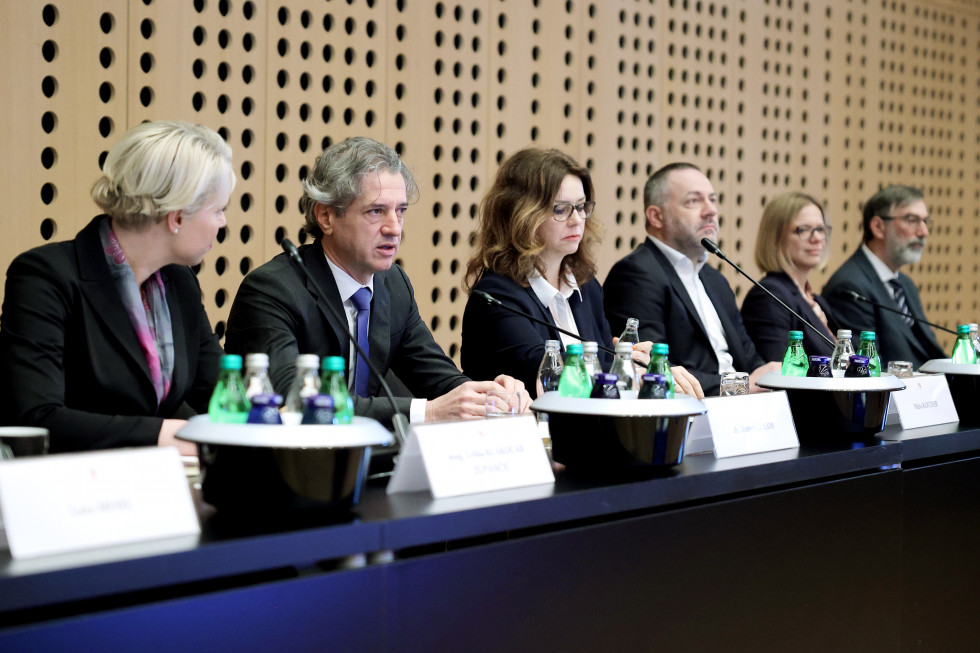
(416, 412)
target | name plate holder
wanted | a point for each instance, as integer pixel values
(744, 424)
(455, 458)
(926, 401)
(71, 502)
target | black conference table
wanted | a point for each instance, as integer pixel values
(838, 548)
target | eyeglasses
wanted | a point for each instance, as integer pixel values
(563, 210)
(911, 219)
(806, 231)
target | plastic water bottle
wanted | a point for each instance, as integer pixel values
(228, 403)
(963, 351)
(975, 338)
(575, 380)
(869, 349)
(257, 376)
(795, 361)
(631, 333)
(305, 384)
(659, 364)
(622, 366)
(590, 356)
(333, 383)
(843, 351)
(549, 371)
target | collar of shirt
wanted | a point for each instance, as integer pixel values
(346, 284)
(545, 292)
(677, 259)
(883, 271)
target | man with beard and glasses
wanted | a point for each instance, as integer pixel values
(896, 223)
(667, 284)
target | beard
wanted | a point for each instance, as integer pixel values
(907, 254)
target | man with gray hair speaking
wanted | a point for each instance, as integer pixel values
(355, 198)
(896, 224)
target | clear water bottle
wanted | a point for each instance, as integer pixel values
(623, 368)
(228, 403)
(333, 383)
(975, 338)
(869, 349)
(631, 333)
(305, 384)
(963, 351)
(549, 371)
(265, 409)
(590, 356)
(575, 380)
(795, 361)
(843, 351)
(257, 376)
(659, 364)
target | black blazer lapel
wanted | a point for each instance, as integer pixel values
(316, 263)
(677, 288)
(180, 379)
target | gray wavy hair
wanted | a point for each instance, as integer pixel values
(338, 173)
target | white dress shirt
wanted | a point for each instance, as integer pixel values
(687, 270)
(557, 302)
(883, 271)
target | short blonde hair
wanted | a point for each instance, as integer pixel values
(770, 244)
(159, 167)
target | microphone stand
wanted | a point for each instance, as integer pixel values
(398, 420)
(712, 247)
(861, 298)
(490, 299)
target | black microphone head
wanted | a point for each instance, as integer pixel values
(853, 295)
(712, 247)
(289, 248)
(490, 299)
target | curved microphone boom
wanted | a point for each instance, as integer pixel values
(398, 420)
(858, 297)
(712, 247)
(490, 299)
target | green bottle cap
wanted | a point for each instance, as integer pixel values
(334, 364)
(963, 328)
(661, 348)
(868, 335)
(575, 348)
(231, 362)
(796, 335)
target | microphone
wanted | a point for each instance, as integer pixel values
(712, 247)
(858, 297)
(398, 420)
(490, 299)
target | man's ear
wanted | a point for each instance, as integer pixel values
(325, 217)
(877, 226)
(655, 217)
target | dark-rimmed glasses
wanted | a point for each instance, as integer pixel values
(911, 219)
(806, 231)
(563, 210)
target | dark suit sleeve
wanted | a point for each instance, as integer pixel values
(415, 356)
(204, 352)
(848, 313)
(40, 306)
(767, 323)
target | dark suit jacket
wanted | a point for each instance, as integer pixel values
(279, 312)
(644, 285)
(768, 323)
(496, 341)
(70, 358)
(896, 340)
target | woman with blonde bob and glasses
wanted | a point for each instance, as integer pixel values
(792, 242)
(535, 251)
(104, 339)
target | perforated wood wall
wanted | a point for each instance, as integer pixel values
(832, 97)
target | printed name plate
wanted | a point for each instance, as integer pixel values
(68, 502)
(926, 401)
(455, 458)
(745, 424)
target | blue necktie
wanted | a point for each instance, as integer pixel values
(902, 302)
(362, 302)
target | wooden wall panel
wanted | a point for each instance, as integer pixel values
(836, 98)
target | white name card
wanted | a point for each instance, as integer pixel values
(454, 458)
(924, 402)
(68, 502)
(735, 426)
